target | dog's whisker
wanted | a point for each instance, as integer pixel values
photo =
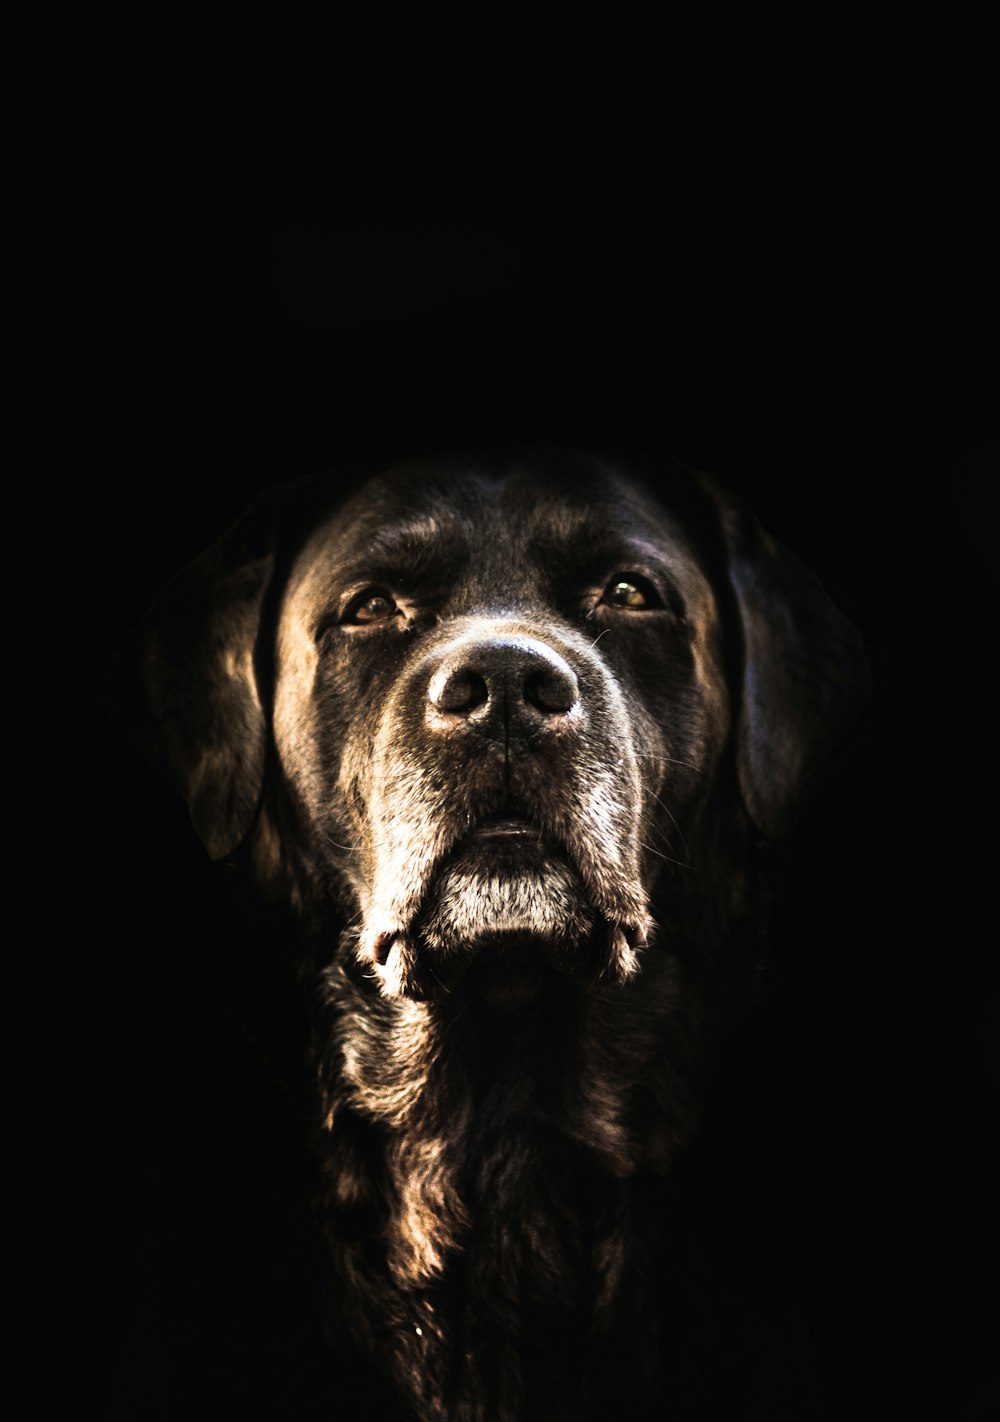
(667, 857)
(437, 977)
(663, 804)
(669, 760)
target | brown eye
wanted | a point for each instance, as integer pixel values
(632, 592)
(370, 606)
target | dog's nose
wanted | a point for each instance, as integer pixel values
(514, 681)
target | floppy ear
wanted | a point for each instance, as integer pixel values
(184, 684)
(805, 672)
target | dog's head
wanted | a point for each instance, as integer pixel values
(479, 706)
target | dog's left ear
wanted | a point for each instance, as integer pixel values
(184, 685)
(805, 671)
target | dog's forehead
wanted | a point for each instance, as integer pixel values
(500, 524)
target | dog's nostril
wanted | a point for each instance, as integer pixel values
(552, 689)
(512, 682)
(457, 691)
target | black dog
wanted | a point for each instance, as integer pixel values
(505, 734)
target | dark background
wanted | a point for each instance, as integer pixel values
(836, 369)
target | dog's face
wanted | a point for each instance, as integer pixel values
(497, 700)
(485, 706)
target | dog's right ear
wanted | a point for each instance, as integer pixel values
(805, 675)
(184, 684)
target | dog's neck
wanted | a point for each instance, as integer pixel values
(460, 1067)
(484, 1165)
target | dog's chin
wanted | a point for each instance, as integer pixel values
(479, 898)
(503, 925)
(506, 919)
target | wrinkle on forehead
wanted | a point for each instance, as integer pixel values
(497, 533)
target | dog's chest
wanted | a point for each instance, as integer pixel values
(493, 1253)
(482, 1213)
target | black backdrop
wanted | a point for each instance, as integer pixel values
(843, 381)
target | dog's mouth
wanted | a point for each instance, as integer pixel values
(506, 916)
(507, 827)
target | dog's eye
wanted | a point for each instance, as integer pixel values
(369, 606)
(631, 591)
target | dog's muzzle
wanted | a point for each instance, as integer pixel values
(502, 819)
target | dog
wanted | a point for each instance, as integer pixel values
(502, 740)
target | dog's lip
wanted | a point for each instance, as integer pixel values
(505, 827)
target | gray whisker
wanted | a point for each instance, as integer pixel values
(667, 857)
